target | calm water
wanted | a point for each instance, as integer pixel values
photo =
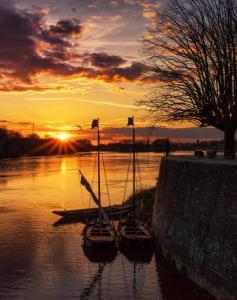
(41, 261)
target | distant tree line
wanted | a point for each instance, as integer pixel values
(160, 145)
(13, 144)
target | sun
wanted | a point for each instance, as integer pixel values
(63, 136)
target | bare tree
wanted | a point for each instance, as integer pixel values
(191, 49)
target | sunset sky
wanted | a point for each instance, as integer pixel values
(64, 63)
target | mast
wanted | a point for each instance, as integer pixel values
(134, 172)
(131, 123)
(95, 124)
(98, 150)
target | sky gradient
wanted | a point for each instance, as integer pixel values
(64, 63)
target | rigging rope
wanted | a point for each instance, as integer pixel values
(93, 178)
(107, 188)
(126, 181)
(140, 184)
(106, 181)
(139, 172)
(82, 197)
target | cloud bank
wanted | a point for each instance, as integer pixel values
(31, 49)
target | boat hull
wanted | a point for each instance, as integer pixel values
(135, 242)
(101, 254)
(114, 212)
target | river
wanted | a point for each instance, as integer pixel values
(41, 261)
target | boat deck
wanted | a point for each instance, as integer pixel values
(138, 231)
(100, 234)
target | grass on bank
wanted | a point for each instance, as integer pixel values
(144, 201)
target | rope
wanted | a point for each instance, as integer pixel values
(139, 172)
(107, 188)
(93, 178)
(106, 181)
(82, 197)
(90, 198)
(126, 181)
(140, 183)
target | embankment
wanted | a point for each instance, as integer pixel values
(195, 221)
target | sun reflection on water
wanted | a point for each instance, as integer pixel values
(63, 166)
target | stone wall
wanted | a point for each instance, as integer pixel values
(195, 221)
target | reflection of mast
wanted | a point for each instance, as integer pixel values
(95, 279)
(134, 281)
(33, 129)
(99, 285)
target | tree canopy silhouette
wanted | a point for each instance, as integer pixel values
(191, 50)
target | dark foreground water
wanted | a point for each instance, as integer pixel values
(41, 261)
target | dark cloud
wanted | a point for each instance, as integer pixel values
(190, 134)
(130, 73)
(65, 28)
(29, 47)
(177, 134)
(60, 34)
(103, 60)
(17, 30)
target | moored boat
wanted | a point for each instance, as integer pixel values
(135, 243)
(131, 232)
(113, 212)
(98, 234)
(134, 234)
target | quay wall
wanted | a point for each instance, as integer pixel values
(195, 221)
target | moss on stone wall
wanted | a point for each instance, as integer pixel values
(144, 201)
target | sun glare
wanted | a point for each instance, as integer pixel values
(63, 136)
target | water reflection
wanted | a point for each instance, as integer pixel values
(141, 255)
(41, 261)
(175, 286)
(103, 256)
(96, 280)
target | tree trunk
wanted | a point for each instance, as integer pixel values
(229, 141)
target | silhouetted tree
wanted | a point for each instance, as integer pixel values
(3, 133)
(33, 136)
(191, 50)
(9, 134)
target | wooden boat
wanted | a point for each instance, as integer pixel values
(133, 233)
(98, 234)
(113, 212)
